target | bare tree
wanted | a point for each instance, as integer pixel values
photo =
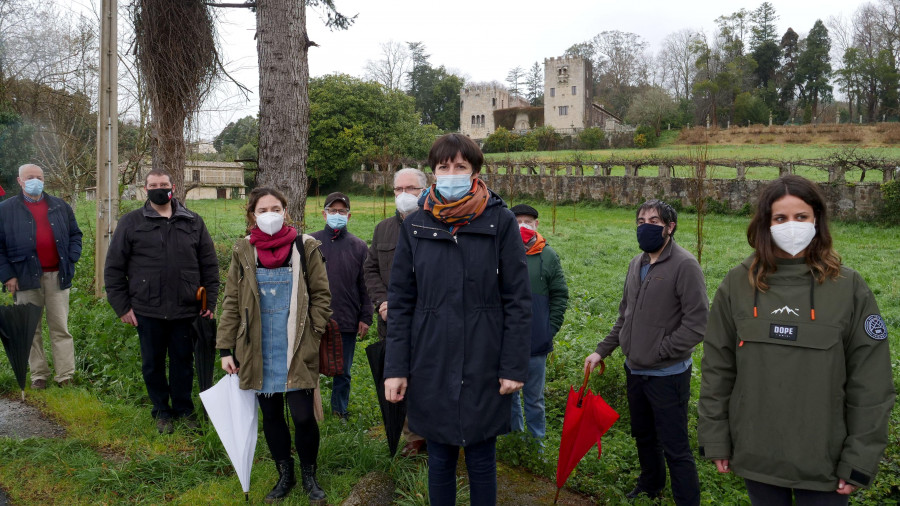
(515, 78)
(176, 52)
(678, 57)
(392, 67)
(650, 107)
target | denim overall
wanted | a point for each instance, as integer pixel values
(274, 304)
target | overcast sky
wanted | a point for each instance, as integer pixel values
(479, 39)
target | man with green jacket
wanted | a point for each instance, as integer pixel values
(549, 298)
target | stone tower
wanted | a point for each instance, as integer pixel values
(476, 109)
(567, 93)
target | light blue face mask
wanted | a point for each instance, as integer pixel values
(336, 221)
(453, 187)
(34, 187)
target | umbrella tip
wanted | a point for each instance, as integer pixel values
(247, 496)
(23, 395)
(557, 495)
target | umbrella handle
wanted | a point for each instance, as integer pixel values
(587, 375)
(201, 296)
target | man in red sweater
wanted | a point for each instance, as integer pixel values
(39, 244)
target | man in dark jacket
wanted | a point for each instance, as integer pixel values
(408, 186)
(662, 317)
(549, 298)
(159, 256)
(39, 244)
(344, 257)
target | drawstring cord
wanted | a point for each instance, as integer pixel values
(812, 301)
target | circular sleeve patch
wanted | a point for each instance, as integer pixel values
(876, 328)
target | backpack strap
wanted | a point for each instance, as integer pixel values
(301, 248)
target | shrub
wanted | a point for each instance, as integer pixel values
(890, 203)
(591, 138)
(502, 141)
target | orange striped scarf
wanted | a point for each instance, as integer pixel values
(463, 211)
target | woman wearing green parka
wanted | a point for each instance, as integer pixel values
(796, 389)
(277, 305)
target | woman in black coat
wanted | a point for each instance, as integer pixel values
(459, 304)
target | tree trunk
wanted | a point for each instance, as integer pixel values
(282, 46)
(168, 153)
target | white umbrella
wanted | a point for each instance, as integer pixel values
(232, 412)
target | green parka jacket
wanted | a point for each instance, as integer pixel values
(239, 325)
(800, 394)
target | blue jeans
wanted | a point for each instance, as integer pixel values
(481, 464)
(340, 390)
(533, 393)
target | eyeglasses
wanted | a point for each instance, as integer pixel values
(407, 189)
(342, 212)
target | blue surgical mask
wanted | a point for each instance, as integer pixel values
(336, 221)
(453, 187)
(34, 186)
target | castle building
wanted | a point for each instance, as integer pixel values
(568, 103)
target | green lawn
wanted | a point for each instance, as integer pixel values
(113, 455)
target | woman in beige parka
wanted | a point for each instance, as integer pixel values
(276, 308)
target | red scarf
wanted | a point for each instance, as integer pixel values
(537, 245)
(273, 250)
(461, 212)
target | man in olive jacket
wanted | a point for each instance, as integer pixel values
(159, 256)
(662, 317)
(549, 299)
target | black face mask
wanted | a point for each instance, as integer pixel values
(650, 237)
(160, 196)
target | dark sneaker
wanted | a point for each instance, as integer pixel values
(344, 417)
(38, 384)
(164, 426)
(638, 491)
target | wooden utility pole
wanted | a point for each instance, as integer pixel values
(107, 140)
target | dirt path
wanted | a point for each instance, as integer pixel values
(20, 421)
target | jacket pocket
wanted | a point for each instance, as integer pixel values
(643, 344)
(144, 290)
(188, 285)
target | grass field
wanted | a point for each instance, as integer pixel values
(112, 453)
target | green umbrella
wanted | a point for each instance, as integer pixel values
(17, 326)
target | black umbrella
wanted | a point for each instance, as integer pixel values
(393, 414)
(204, 345)
(17, 326)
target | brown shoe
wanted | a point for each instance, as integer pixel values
(64, 383)
(413, 448)
(164, 426)
(38, 384)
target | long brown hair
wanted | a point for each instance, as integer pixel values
(821, 258)
(253, 199)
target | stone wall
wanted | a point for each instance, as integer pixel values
(847, 201)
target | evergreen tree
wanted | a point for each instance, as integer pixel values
(814, 68)
(534, 83)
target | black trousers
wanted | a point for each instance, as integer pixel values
(160, 338)
(763, 494)
(306, 430)
(658, 407)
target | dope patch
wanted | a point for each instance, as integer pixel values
(876, 328)
(783, 332)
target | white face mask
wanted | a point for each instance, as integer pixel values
(406, 203)
(528, 226)
(793, 236)
(270, 223)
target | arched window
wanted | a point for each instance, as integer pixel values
(473, 119)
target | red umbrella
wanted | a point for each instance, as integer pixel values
(588, 417)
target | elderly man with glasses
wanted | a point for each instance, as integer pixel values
(408, 186)
(352, 310)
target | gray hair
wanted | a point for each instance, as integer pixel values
(423, 179)
(23, 167)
